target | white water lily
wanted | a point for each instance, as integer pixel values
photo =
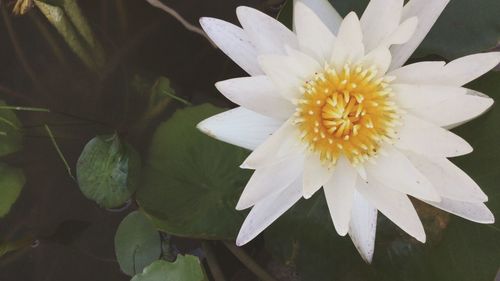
(330, 105)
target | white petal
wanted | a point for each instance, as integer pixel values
(316, 174)
(339, 194)
(421, 96)
(476, 212)
(380, 58)
(448, 179)
(394, 205)
(464, 70)
(456, 73)
(402, 34)
(394, 170)
(240, 126)
(314, 36)
(290, 72)
(380, 19)
(271, 179)
(427, 13)
(418, 73)
(282, 143)
(328, 15)
(363, 226)
(456, 111)
(234, 42)
(258, 94)
(268, 210)
(267, 34)
(349, 44)
(428, 139)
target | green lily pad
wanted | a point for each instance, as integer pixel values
(11, 183)
(108, 171)
(137, 243)
(456, 250)
(465, 27)
(10, 131)
(192, 181)
(185, 268)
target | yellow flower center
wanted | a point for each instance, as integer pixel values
(348, 112)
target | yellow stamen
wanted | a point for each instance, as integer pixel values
(348, 112)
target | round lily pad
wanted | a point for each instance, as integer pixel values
(192, 181)
(108, 171)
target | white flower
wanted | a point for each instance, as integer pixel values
(330, 105)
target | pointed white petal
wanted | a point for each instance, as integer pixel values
(349, 44)
(394, 170)
(289, 73)
(339, 194)
(234, 42)
(448, 179)
(418, 73)
(402, 34)
(421, 96)
(428, 139)
(267, 34)
(240, 126)
(476, 212)
(328, 15)
(380, 19)
(314, 36)
(282, 143)
(380, 58)
(363, 226)
(456, 111)
(427, 13)
(268, 210)
(271, 179)
(464, 70)
(258, 94)
(316, 174)
(394, 205)
(456, 73)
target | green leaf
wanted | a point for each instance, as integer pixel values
(185, 268)
(108, 171)
(465, 27)
(12, 181)
(456, 249)
(192, 181)
(137, 243)
(10, 131)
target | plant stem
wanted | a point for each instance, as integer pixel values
(59, 152)
(158, 4)
(213, 264)
(249, 263)
(81, 24)
(57, 17)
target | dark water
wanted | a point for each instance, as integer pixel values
(74, 236)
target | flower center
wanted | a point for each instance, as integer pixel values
(348, 112)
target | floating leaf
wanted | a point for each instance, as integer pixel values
(305, 233)
(137, 243)
(185, 268)
(10, 131)
(192, 181)
(108, 171)
(11, 183)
